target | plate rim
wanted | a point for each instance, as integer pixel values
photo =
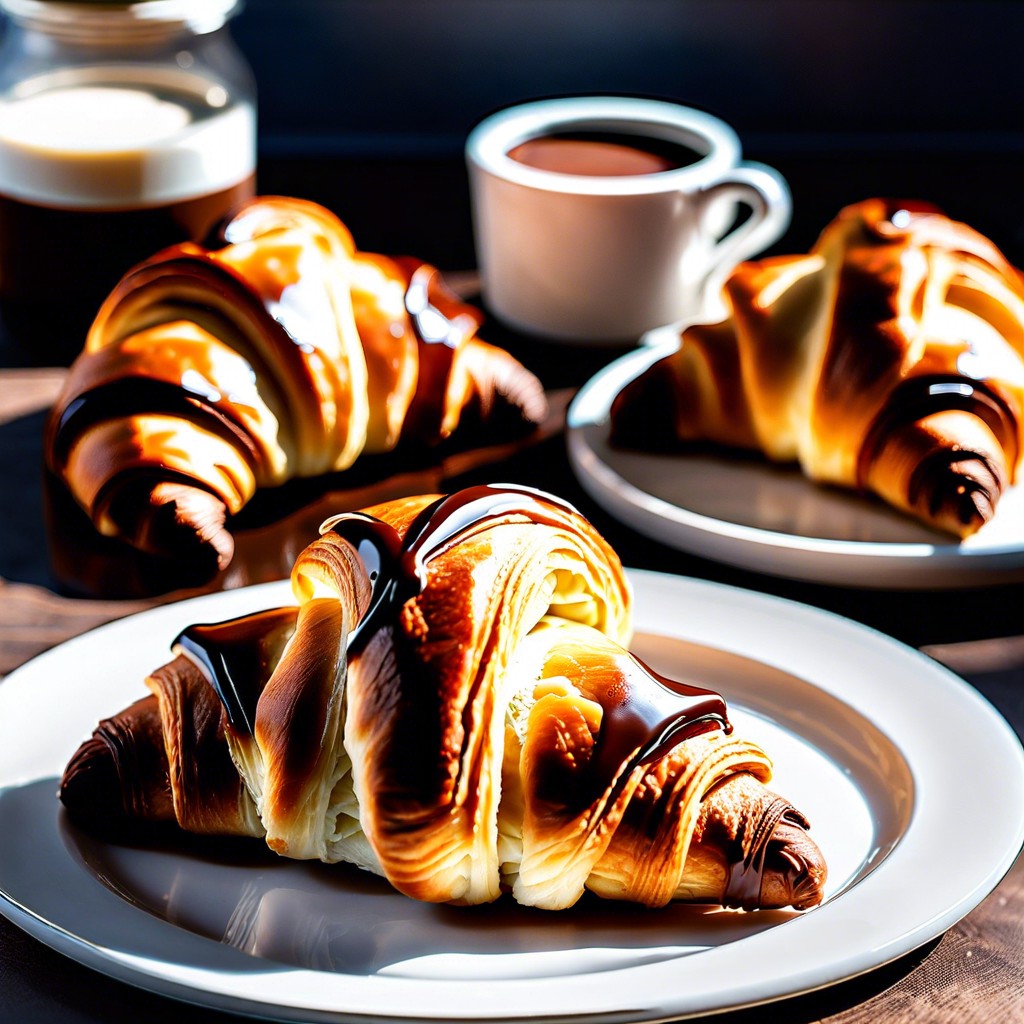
(813, 559)
(771, 632)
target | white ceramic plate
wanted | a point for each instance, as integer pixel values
(750, 513)
(861, 729)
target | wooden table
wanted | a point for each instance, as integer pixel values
(975, 972)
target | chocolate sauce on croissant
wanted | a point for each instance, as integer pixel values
(643, 722)
(647, 714)
(236, 657)
(919, 396)
(750, 854)
(397, 566)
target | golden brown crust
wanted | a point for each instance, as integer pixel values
(851, 361)
(456, 710)
(280, 352)
(207, 793)
(162, 759)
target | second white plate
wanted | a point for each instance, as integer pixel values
(772, 519)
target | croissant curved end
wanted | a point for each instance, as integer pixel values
(959, 490)
(184, 519)
(948, 468)
(794, 870)
(500, 379)
(523, 391)
(90, 788)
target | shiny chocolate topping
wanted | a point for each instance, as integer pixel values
(237, 658)
(646, 715)
(746, 869)
(397, 567)
(236, 655)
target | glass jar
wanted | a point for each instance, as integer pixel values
(124, 128)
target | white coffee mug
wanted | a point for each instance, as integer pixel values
(597, 258)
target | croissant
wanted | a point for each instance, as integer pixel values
(279, 352)
(888, 359)
(451, 704)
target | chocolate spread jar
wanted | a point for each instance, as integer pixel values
(123, 128)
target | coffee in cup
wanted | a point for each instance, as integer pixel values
(602, 154)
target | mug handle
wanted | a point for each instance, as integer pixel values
(765, 191)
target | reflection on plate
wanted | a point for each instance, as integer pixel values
(228, 925)
(747, 512)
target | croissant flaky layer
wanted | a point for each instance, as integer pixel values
(451, 704)
(280, 351)
(889, 359)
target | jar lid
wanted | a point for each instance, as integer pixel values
(118, 5)
(197, 15)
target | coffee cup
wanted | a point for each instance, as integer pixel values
(597, 219)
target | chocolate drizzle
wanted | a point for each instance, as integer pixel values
(746, 869)
(236, 658)
(646, 715)
(397, 567)
(128, 396)
(923, 395)
(641, 722)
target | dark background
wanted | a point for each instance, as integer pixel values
(848, 98)
(364, 105)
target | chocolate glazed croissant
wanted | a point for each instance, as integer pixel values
(451, 705)
(889, 359)
(280, 352)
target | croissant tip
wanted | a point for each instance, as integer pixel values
(794, 871)
(958, 491)
(534, 406)
(187, 517)
(90, 788)
(642, 413)
(522, 391)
